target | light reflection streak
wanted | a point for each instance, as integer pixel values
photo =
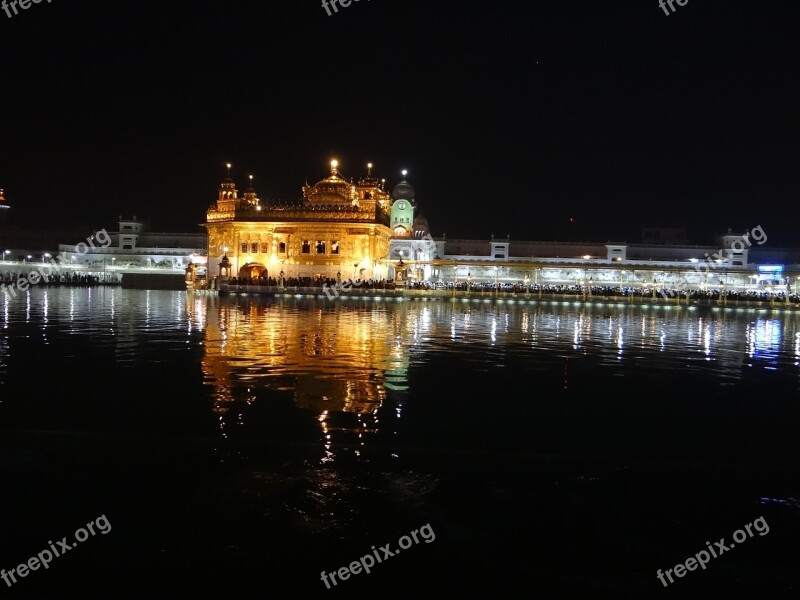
(337, 364)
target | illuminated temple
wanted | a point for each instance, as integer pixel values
(339, 228)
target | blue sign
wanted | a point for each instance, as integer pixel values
(770, 268)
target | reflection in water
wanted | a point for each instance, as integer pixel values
(764, 340)
(797, 348)
(230, 427)
(325, 405)
(344, 361)
(334, 361)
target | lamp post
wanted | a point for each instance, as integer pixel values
(6, 253)
(527, 281)
(469, 282)
(281, 277)
(591, 283)
(455, 280)
(496, 277)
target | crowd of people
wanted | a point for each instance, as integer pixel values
(560, 290)
(63, 279)
(310, 282)
(624, 292)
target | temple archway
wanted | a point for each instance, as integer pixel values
(253, 270)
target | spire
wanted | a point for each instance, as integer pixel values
(227, 189)
(369, 169)
(250, 193)
(335, 168)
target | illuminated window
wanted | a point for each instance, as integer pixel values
(264, 248)
(320, 247)
(306, 247)
(254, 248)
(335, 247)
(244, 247)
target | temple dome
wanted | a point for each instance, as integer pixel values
(331, 190)
(421, 228)
(403, 191)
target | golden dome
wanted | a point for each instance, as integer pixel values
(331, 190)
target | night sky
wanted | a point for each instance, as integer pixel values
(511, 118)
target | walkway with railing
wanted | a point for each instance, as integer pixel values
(713, 298)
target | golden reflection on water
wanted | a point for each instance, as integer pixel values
(332, 360)
(342, 361)
(335, 361)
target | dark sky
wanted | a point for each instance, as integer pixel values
(511, 117)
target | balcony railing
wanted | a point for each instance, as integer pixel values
(301, 213)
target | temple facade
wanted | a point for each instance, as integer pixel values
(343, 229)
(339, 228)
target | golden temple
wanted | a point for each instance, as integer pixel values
(339, 228)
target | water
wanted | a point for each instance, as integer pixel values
(246, 444)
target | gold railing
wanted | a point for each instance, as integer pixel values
(300, 213)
